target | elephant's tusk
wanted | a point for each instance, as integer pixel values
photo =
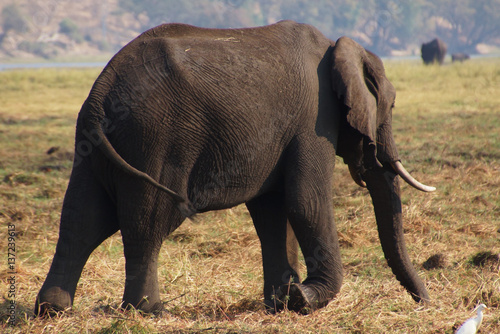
(356, 176)
(399, 168)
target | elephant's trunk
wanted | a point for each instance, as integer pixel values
(384, 190)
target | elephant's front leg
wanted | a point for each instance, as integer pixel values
(310, 212)
(269, 218)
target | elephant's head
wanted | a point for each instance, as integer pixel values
(367, 145)
(365, 139)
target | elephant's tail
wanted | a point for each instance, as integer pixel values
(96, 135)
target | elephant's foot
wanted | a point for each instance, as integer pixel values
(296, 297)
(52, 301)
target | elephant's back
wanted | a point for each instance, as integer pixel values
(180, 73)
(275, 44)
(181, 66)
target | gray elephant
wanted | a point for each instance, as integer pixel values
(434, 51)
(185, 120)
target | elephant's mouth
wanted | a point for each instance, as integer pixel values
(399, 169)
(356, 175)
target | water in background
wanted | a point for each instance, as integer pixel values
(12, 66)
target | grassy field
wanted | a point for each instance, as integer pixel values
(447, 126)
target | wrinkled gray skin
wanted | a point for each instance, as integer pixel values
(434, 52)
(223, 117)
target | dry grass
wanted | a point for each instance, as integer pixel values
(446, 123)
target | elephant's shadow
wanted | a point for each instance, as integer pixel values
(21, 312)
(218, 310)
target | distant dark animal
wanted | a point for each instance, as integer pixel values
(459, 57)
(434, 51)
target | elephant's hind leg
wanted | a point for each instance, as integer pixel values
(269, 218)
(88, 218)
(146, 217)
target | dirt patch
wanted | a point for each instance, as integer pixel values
(436, 261)
(486, 259)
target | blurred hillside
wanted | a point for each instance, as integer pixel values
(51, 28)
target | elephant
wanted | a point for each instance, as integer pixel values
(434, 52)
(184, 120)
(460, 57)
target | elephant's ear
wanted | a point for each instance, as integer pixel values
(349, 82)
(359, 81)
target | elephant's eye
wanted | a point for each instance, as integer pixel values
(393, 105)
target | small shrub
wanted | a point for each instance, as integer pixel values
(103, 46)
(70, 29)
(13, 19)
(37, 48)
